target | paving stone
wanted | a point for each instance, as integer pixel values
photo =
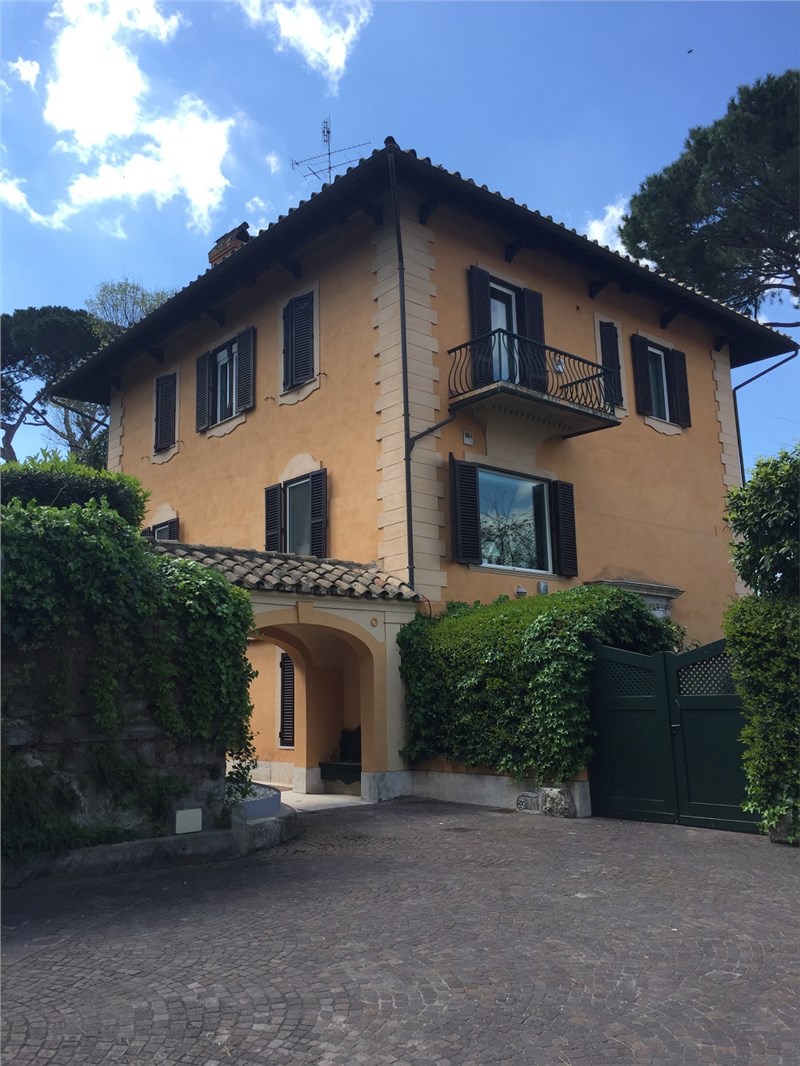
(383, 935)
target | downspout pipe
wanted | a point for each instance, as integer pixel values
(742, 384)
(407, 441)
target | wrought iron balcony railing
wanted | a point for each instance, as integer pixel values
(506, 359)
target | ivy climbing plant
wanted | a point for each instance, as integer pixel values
(83, 590)
(506, 685)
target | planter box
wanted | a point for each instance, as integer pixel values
(261, 806)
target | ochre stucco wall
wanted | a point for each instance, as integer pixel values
(216, 483)
(649, 505)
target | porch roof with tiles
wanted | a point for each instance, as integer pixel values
(277, 572)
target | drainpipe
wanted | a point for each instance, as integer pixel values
(769, 370)
(408, 443)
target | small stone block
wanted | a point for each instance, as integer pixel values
(556, 803)
(189, 821)
(528, 802)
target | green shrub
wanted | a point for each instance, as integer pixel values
(506, 685)
(80, 585)
(762, 634)
(52, 481)
(763, 638)
(763, 516)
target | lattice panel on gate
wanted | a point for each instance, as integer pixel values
(624, 679)
(706, 678)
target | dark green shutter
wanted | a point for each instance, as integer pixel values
(465, 512)
(298, 341)
(562, 522)
(641, 375)
(273, 509)
(245, 369)
(286, 734)
(532, 352)
(172, 529)
(481, 326)
(609, 356)
(319, 513)
(677, 388)
(166, 397)
(203, 402)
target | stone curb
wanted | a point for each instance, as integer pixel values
(244, 837)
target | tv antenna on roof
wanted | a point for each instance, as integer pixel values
(317, 165)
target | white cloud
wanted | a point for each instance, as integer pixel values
(27, 70)
(113, 227)
(184, 156)
(324, 35)
(605, 230)
(13, 197)
(273, 162)
(96, 91)
(130, 146)
(259, 208)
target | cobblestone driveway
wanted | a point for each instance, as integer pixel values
(415, 932)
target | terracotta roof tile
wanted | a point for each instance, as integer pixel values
(278, 572)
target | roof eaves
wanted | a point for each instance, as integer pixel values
(232, 272)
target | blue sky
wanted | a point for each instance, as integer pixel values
(135, 132)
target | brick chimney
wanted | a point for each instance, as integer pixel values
(229, 243)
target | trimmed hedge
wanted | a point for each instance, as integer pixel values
(506, 685)
(52, 481)
(763, 638)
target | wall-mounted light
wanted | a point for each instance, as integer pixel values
(519, 592)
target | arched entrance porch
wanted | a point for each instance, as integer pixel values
(346, 678)
(339, 623)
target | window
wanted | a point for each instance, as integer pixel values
(224, 385)
(517, 354)
(166, 412)
(163, 530)
(502, 519)
(298, 341)
(297, 515)
(609, 356)
(286, 729)
(659, 376)
(226, 380)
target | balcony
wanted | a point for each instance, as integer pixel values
(567, 394)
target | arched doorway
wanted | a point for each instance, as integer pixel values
(345, 690)
(339, 623)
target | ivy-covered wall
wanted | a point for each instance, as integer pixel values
(125, 678)
(506, 685)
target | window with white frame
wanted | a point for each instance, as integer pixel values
(225, 380)
(660, 381)
(504, 519)
(297, 515)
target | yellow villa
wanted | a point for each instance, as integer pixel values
(410, 390)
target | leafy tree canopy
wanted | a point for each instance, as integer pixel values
(40, 345)
(43, 344)
(763, 516)
(118, 305)
(725, 216)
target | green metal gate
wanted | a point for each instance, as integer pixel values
(667, 745)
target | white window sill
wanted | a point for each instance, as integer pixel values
(228, 425)
(494, 568)
(299, 392)
(669, 429)
(157, 458)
